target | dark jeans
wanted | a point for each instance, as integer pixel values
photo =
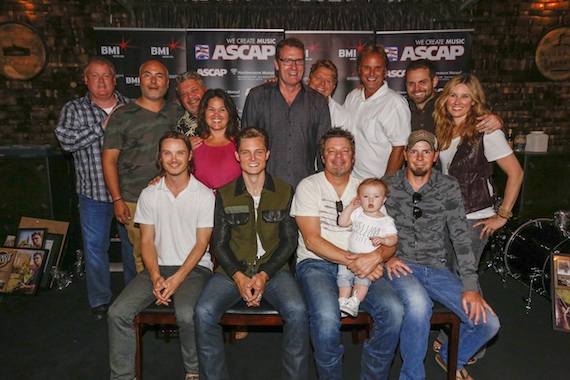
(283, 293)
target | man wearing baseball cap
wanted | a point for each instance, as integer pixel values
(424, 203)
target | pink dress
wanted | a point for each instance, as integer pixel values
(216, 166)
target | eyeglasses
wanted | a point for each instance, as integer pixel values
(289, 62)
(417, 212)
(339, 208)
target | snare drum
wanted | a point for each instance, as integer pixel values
(527, 252)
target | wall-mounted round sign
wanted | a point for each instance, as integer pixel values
(553, 54)
(22, 51)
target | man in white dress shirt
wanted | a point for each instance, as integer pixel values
(381, 120)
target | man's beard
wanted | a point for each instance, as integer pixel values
(420, 172)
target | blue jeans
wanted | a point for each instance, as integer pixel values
(417, 290)
(346, 279)
(221, 293)
(96, 218)
(138, 295)
(129, 268)
(317, 279)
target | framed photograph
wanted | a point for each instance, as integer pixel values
(21, 270)
(31, 238)
(560, 291)
(52, 227)
(10, 241)
(52, 244)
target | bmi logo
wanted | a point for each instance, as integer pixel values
(392, 53)
(159, 50)
(110, 50)
(202, 52)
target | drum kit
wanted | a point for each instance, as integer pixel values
(525, 254)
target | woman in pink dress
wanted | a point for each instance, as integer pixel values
(214, 149)
(215, 162)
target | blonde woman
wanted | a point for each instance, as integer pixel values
(468, 155)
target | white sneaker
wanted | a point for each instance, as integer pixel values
(342, 301)
(351, 306)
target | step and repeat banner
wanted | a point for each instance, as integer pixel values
(341, 48)
(128, 48)
(240, 59)
(449, 50)
(235, 60)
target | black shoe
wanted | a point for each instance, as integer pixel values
(99, 312)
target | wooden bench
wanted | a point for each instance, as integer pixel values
(266, 315)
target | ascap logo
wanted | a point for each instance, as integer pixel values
(5, 258)
(433, 53)
(202, 52)
(391, 53)
(212, 72)
(395, 73)
(243, 52)
(347, 53)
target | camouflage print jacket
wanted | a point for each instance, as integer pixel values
(421, 240)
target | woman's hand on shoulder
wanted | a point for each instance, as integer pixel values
(195, 141)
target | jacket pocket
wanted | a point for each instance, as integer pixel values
(237, 218)
(274, 216)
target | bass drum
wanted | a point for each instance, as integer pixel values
(527, 253)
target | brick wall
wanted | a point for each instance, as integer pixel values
(506, 35)
(503, 58)
(30, 109)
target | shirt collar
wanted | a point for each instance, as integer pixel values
(267, 185)
(381, 91)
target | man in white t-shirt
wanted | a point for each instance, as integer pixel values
(381, 120)
(318, 201)
(176, 216)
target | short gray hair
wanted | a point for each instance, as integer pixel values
(189, 75)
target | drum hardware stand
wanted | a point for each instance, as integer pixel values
(534, 276)
(496, 247)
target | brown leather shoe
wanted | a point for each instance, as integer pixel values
(460, 374)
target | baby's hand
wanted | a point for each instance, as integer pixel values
(377, 241)
(355, 202)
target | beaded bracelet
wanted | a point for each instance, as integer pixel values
(504, 213)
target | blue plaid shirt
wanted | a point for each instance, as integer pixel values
(80, 131)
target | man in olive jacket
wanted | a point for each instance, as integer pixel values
(254, 237)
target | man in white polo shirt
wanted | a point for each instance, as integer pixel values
(381, 120)
(176, 217)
